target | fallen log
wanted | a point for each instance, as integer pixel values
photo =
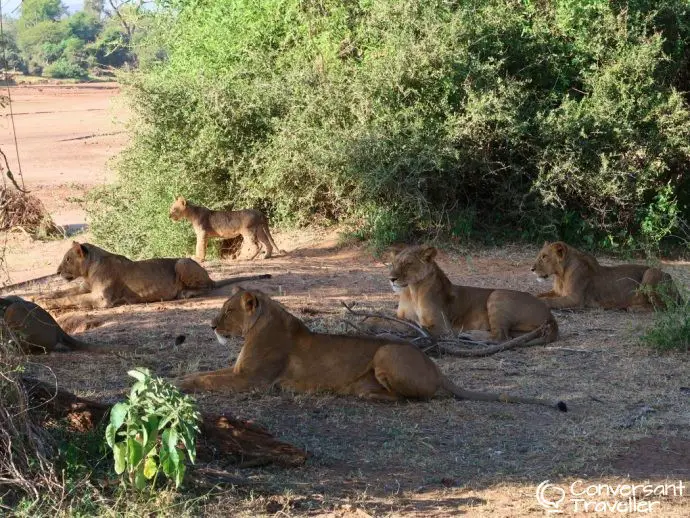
(222, 438)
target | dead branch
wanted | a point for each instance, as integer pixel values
(9, 173)
(420, 330)
(520, 341)
(38, 280)
(450, 346)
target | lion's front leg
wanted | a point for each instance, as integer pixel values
(201, 242)
(67, 292)
(547, 295)
(89, 300)
(223, 380)
(564, 302)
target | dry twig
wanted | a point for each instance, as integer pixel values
(449, 346)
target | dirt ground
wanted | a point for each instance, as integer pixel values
(65, 134)
(629, 418)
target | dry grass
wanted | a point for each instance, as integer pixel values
(25, 447)
(25, 212)
(440, 457)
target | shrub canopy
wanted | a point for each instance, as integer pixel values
(562, 119)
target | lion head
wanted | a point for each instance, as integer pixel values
(550, 259)
(238, 314)
(75, 262)
(177, 209)
(410, 266)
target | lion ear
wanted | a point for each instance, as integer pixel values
(429, 252)
(80, 249)
(546, 243)
(249, 302)
(392, 252)
(236, 289)
(560, 249)
(182, 200)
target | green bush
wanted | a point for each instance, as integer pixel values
(671, 328)
(64, 69)
(554, 119)
(151, 432)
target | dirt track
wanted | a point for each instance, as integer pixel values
(630, 409)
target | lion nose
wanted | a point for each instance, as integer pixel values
(532, 269)
(393, 279)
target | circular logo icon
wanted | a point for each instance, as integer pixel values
(550, 496)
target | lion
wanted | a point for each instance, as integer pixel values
(427, 297)
(580, 281)
(36, 331)
(280, 350)
(251, 224)
(110, 280)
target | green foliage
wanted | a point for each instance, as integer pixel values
(64, 69)
(84, 26)
(69, 46)
(152, 430)
(34, 12)
(543, 116)
(671, 328)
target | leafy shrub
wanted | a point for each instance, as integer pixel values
(541, 116)
(671, 328)
(64, 69)
(151, 432)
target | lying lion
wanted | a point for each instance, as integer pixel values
(36, 331)
(110, 279)
(427, 297)
(280, 350)
(580, 281)
(251, 224)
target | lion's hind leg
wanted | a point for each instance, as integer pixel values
(251, 240)
(657, 290)
(262, 237)
(192, 278)
(404, 371)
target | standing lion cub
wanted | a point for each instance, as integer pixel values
(251, 224)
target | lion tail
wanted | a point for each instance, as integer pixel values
(78, 345)
(470, 395)
(550, 331)
(226, 282)
(270, 238)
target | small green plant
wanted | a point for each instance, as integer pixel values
(671, 328)
(150, 432)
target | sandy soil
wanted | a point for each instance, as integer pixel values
(629, 416)
(65, 134)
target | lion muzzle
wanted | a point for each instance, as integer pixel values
(221, 339)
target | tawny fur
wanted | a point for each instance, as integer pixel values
(109, 279)
(280, 350)
(427, 297)
(251, 224)
(37, 331)
(580, 281)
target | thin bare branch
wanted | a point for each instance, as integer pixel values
(450, 346)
